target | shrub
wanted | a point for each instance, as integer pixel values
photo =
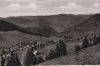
(3, 52)
(96, 40)
(52, 54)
(39, 59)
(77, 48)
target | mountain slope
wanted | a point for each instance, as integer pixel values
(8, 26)
(91, 25)
(11, 34)
(57, 22)
(21, 21)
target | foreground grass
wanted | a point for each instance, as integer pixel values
(87, 56)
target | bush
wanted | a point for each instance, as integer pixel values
(3, 52)
(52, 54)
(77, 48)
(39, 59)
(96, 40)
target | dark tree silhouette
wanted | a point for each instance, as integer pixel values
(85, 43)
(2, 61)
(30, 58)
(96, 40)
(17, 61)
(61, 48)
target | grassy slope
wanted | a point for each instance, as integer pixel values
(14, 37)
(89, 55)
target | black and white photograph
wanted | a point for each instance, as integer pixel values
(49, 32)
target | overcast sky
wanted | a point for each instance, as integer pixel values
(47, 7)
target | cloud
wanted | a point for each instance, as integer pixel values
(16, 6)
(96, 5)
(13, 6)
(75, 8)
(47, 7)
(31, 5)
(96, 8)
(70, 6)
(18, 0)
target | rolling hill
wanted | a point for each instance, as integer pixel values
(29, 26)
(90, 25)
(58, 22)
(13, 34)
(42, 30)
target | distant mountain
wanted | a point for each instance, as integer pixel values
(90, 25)
(6, 26)
(58, 22)
(20, 21)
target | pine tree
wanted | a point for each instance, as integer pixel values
(61, 48)
(2, 61)
(85, 43)
(17, 61)
(30, 58)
